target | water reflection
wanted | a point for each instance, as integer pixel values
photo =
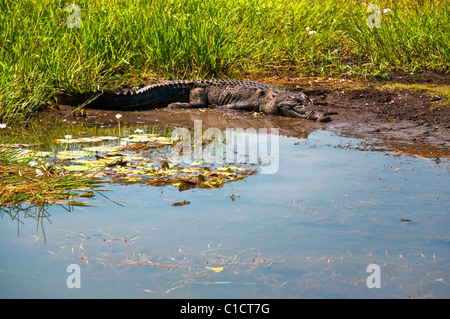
(21, 214)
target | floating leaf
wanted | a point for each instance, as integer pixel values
(230, 168)
(216, 182)
(132, 179)
(145, 138)
(85, 194)
(166, 172)
(43, 154)
(190, 170)
(94, 139)
(165, 165)
(98, 162)
(78, 168)
(102, 148)
(71, 154)
(185, 202)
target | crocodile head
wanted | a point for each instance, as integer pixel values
(298, 105)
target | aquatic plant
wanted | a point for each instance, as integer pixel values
(23, 179)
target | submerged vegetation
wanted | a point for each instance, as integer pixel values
(47, 47)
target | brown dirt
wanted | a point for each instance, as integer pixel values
(406, 120)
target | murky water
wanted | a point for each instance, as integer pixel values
(309, 231)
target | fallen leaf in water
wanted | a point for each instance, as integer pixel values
(185, 202)
(405, 219)
(43, 154)
(214, 183)
(132, 179)
(86, 194)
(103, 148)
(184, 184)
(71, 154)
(215, 269)
(88, 139)
(165, 165)
(190, 170)
(78, 168)
(230, 168)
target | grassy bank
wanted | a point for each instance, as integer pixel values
(124, 41)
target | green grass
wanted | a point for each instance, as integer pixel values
(129, 42)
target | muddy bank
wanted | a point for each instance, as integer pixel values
(405, 119)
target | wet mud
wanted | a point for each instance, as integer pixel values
(406, 120)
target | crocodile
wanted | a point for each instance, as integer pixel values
(218, 93)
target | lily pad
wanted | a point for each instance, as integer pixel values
(229, 168)
(102, 148)
(94, 139)
(145, 138)
(71, 154)
(80, 168)
(43, 154)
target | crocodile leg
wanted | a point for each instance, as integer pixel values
(197, 99)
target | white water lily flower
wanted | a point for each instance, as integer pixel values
(33, 163)
(118, 116)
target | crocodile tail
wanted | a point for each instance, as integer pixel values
(144, 97)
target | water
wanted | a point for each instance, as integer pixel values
(308, 231)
